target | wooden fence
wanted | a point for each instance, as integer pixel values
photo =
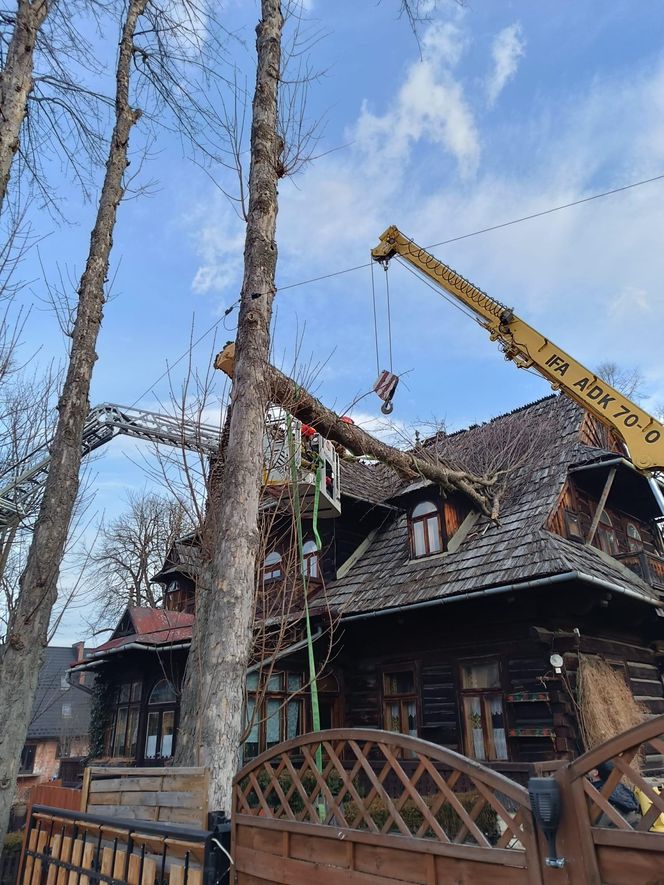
(173, 795)
(55, 795)
(369, 807)
(604, 846)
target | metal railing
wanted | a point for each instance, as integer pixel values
(89, 849)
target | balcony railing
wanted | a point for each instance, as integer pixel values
(647, 566)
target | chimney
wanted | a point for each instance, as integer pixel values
(79, 653)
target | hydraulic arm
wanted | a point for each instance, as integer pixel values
(528, 348)
(20, 490)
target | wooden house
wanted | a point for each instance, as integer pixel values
(447, 624)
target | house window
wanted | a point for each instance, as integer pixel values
(606, 536)
(400, 701)
(426, 534)
(272, 570)
(127, 702)
(27, 764)
(160, 730)
(482, 707)
(310, 561)
(634, 539)
(274, 714)
(573, 526)
(66, 711)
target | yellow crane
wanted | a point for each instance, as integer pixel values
(642, 434)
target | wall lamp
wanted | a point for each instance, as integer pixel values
(544, 795)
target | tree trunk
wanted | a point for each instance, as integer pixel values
(27, 633)
(223, 636)
(16, 82)
(287, 393)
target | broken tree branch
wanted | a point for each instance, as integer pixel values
(285, 392)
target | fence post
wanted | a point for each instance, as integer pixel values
(574, 835)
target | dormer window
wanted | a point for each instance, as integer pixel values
(426, 530)
(634, 539)
(310, 561)
(272, 567)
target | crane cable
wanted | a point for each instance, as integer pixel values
(375, 318)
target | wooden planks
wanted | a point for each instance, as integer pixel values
(173, 795)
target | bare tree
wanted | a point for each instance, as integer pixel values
(222, 640)
(171, 48)
(16, 81)
(28, 627)
(627, 381)
(131, 550)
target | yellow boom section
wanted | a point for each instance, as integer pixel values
(643, 434)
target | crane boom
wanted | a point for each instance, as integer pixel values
(642, 434)
(19, 495)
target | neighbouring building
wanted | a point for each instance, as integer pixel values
(445, 621)
(59, 726)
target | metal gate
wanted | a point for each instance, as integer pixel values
(63, 846)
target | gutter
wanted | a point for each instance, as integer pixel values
(505, 588)
(285, 651)
(131, 646)
(92, 664)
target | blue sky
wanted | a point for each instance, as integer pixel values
(512, 108)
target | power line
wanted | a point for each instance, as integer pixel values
(485, 230)
(337, 273)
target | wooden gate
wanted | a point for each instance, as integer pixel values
(603, 846)
(368, 807)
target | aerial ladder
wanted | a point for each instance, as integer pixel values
(641, 433)
(21, 490)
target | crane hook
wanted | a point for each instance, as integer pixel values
(387, 408)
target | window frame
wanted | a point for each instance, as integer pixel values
(573, 521)
(307, 558)
(28, 746)
(133, 705)
(160, 709)
(285, 698)
(485, 695)
(275, 572)
(425, 518)
(605, 534)
(389, 698)
(630, 524)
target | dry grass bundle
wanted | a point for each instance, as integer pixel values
(605, 703)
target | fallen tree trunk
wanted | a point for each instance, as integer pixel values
(288, 394)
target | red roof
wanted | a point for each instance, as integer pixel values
(152, 626)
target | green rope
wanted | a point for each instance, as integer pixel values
(315, 708)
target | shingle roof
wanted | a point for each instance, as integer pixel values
(150, 626)
(518, 549)
(47, 719)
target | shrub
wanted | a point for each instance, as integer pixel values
(446, 816)
(13, 842)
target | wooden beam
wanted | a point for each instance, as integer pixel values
(602, 503)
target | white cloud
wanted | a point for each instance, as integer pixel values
(430, 106)
(508, 48)
(219, 243)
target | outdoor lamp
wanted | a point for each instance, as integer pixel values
(544, 795)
